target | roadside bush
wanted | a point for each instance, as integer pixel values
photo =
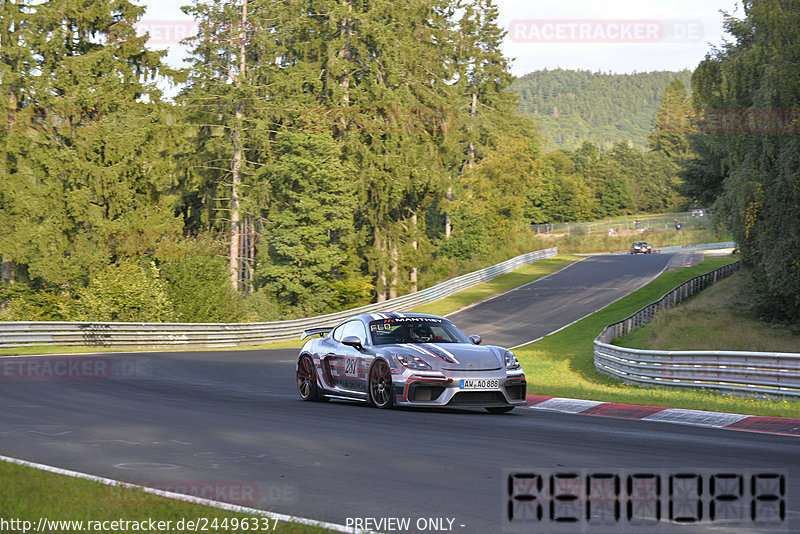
(18, 302)
(200, 290)
(123, 291)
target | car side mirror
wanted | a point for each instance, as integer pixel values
(476, 339)
(353, 341)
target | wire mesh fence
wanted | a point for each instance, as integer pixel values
(650, 223)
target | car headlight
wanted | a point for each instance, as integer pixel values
(413, 362)
(511, 360)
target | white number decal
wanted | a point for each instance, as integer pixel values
(351, 366)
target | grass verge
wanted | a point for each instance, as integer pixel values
(562, 364)
(28, 494)
(718, 318)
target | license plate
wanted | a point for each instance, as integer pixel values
(480, 383)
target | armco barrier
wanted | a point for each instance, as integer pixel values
(768, 373)
(116, 334)
(705, 246)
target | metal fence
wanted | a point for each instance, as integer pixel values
(650, 223)
(752, 372)
(118, 334)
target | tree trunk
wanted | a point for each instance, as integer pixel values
(448, 227)
(415, 246)
(7, 268)
(8, 272)
(235, 234)
(236, 171)
(393, 268)
(473, 112)
(380, 274)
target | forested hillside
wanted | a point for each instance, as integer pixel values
(320, 156)
(572, 107)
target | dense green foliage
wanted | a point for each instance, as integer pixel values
(574, 107)
(83, 155)
(745, 134)
(588, 184)
(319, 156)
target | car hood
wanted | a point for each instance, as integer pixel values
(456, 356)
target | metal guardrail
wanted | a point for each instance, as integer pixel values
(119, 334)
(705, 246)
(771, 373)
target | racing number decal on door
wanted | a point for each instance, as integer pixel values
(351, 367)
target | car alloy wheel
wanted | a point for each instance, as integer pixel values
(380, 385)
(306, 380)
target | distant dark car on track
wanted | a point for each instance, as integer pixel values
(641, 247)
(408, 359)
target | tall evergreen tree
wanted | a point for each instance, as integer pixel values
(673, 123)
(310, 223)
(485, 116)
(85, 157)
(221, 99)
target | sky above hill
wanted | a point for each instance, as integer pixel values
(619, 36)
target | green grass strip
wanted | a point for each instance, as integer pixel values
(29, 494)
(562, 364)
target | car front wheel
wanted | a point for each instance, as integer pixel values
(380, 385)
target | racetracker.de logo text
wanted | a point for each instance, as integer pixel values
(605, 31)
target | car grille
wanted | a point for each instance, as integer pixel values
(470, 370)
(426, 393)
(468, 398)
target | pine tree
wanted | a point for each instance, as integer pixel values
(219, 100)
(311, 223)
(486, 119)
(673, 123)
(86, 139)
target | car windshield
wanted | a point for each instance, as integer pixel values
(415, 330)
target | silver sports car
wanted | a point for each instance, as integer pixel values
(408, 359)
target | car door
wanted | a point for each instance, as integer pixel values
(343, 364)
(347, 364)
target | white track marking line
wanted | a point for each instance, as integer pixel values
(597, 310)
(514, 289)
(696, 417)
(560, 404)
(178, 496)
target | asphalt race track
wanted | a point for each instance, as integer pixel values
(231, 424)
(540, 307)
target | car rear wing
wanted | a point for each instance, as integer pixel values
(314, 332)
